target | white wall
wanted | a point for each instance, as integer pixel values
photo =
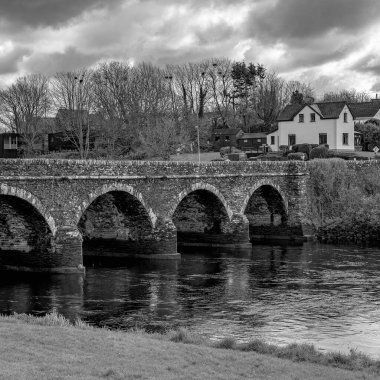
(342, 127)
(308, 132)
(274, 147)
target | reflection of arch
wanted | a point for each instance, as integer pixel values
(31, 199)
(199, 186)
(258, 184)
(115, 187)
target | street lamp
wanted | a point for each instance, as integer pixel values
(199, 149)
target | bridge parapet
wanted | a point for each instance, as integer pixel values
(105, 168)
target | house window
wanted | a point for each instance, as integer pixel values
(11, 143)
(291, 140)
(345, 138)
(312, 117)
(300, 117)
(227, 138)
(272, 140)
(245, 141)
(322, 138)
(217, 138)
(345, 117)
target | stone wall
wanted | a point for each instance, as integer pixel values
(141, 205)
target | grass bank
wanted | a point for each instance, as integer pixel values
(52, 348)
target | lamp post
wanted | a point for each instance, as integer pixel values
(199, 149)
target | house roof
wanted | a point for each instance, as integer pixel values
(328, 110)
(226, 131)
(290, 111)
(331, 110)
(257, 135)
(365, 109)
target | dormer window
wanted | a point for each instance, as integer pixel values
(312, 117)
(345, 117)
(300, 118)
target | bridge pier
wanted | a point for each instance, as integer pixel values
(67, 251)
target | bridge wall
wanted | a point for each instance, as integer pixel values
(62, 190)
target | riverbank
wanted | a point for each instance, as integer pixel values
(50, 347)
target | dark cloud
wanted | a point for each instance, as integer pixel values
(376, 87)
(300, 19)
(33, 13)
(70, 59)
(9, 63)
(368, 64)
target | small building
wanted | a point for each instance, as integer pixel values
(329, 123)
(251, 141)
(225, 137)
(9, 145)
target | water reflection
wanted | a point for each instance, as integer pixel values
(327, 295)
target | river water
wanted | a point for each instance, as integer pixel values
(322, 294)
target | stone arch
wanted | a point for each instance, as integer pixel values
(258, 184)
(114, 187)
(199, 186)
(31, 199)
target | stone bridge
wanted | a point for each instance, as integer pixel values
(53, 212)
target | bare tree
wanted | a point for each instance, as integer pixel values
(350, 96)
(113, 103)
(21, 107)
(270, 99)
(161, 137)
(74, 99)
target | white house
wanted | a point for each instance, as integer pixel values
(318, 123)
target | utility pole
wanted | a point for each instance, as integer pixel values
(199, 149)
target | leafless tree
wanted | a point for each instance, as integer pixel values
(160, 137)
(113, 103)
(350, 96)
(21, 107)
(270, 98)
(73, 98)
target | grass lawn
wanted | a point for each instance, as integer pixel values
(30, 350)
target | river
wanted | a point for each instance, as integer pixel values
(322, 294)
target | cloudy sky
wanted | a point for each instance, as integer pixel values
(331, 44)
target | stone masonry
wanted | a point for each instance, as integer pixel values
(49, 209)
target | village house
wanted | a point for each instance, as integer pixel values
(365, 111)
(9, 144)
(225, 137)
(318, 123)
(251, 141)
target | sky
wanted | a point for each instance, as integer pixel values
(329, 44)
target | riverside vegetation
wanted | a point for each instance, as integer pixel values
(344, 200)
(52, 347)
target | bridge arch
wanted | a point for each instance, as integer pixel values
(107, 188)
(32, 200)
(261, 183)
(199, 186)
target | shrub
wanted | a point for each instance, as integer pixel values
(284, 149)
(302, 148)
(320, 151)
(297, 156)
(228, 343)
(268, 157)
